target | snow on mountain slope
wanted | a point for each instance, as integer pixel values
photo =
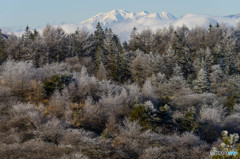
(122, 22)
(122, 15)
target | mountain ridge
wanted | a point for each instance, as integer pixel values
(123, 21)
(120, 15)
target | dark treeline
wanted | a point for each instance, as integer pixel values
(173, 93)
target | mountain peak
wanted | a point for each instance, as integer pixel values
(143, 13)
(123, 15)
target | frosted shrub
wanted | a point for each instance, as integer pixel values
(18, 76)
(151, 153)
(231, 123)
(74, 155)
(59, 105)
(108, 87)
(236, 108)
(27, 110)
(134, 93)
(47, 71)
(185, 146)
(212, 115)
(92, 116)
(83, 85)
(5, 97)
(76, 136)
(148, 90)
(115, 104)
(210, 123)
(130, 129)
(141, 68)
(52, 131)
(197, 100)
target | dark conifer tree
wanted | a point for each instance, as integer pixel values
(134, 42)
(3, 54)
(99, 35)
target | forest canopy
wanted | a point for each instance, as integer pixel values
(173, 93)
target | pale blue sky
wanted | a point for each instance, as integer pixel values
(35, 13)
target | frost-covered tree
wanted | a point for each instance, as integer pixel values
(81, 43)
(148, 90)
(114, 63)
(18, 76)
(82, 86)
(233, 89)
(101, 74)
(177, 71)
(54, 39)
(217, 78)
(134, 42)
(140, 68)
(201, 83)
(59, 105)
(146, 39)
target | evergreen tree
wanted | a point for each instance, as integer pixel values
(27, 33)
(228, 52)
(146, 40)
(210, 27)
(28, 51)
(201, 83)
(233, 92)
(125, 47)
(81, 44)
(3, 54)
(35, 33)
(208, 58)
(113, 49)
(99, 34)
(55, 44)
(101, 73)
(134, 42)
(126, 68)
(157, 64)
(177, 71)
(177, 46)
(189, 121)
(177, 84)
(100, 51)
(217, 78)
(138, 71)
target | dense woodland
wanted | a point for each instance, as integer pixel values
(173, 93)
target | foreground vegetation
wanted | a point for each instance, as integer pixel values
(168, 94)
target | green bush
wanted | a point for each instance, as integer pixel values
(188, 122)
(140, 113)
(152, 119)
(56, 82)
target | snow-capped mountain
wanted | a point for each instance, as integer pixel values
(122, 22)
(116, 16)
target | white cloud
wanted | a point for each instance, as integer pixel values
(193, 21)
